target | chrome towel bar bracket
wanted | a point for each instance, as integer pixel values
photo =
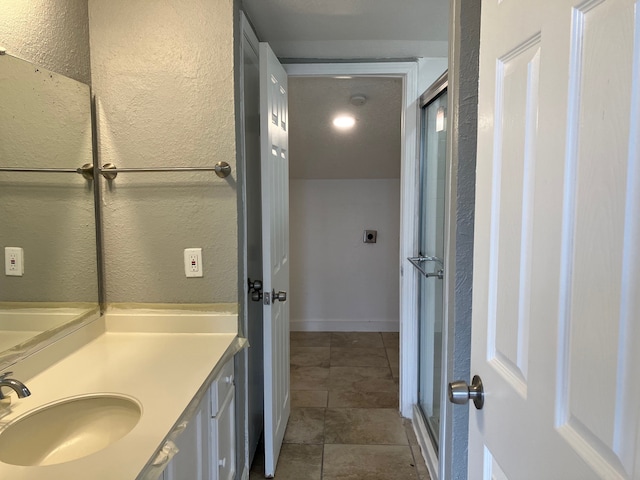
(110, 171)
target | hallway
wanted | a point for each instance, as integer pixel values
(344, 420)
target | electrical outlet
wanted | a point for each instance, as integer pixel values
(13, 261)
(193, 262)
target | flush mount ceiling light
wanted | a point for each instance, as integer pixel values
(344, 122)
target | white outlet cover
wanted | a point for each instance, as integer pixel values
(13, 261)
(193, 262)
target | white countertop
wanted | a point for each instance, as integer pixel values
(162, 371)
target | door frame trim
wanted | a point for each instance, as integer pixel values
(242, 359)
(408, 71)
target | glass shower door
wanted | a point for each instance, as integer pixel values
(431, 253)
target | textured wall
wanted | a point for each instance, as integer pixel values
(49, 216)
(463, 103)
(334, 275)
(53, 34)
(163, 77)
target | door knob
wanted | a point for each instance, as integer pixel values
(256, 296)
(255, 290)
(460, 393)
(281, 296)
(255, 285)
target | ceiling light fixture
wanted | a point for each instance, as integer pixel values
(344, 122)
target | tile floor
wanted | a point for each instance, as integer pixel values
(344, 422)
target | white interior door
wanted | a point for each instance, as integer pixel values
(275, 251)
(556, 307)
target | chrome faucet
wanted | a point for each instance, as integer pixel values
(17, 386)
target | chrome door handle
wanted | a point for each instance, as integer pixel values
(255, 290)
(256, 296)
(281, 296)
(460, 393)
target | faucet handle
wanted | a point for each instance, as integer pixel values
(4, 375)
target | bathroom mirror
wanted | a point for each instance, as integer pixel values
(49, 285)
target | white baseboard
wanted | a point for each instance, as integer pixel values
(344, 326)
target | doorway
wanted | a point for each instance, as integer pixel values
(344, 202)
(408, 72)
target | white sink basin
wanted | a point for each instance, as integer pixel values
(68, 429)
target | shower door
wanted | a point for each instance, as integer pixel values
(431, 255)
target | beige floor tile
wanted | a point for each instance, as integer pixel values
(309, 356)
(309, 398)
(421, 466)
(358, 357)
(357, 339)
(393, 354)
(310, 339)
(306, 425)
(411, 434)
(362, 379)
(348, 399)
(368, 462)
(391, 339)
(296, 462)
(364, 426)
(309, 378)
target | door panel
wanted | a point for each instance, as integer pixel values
(557, 241)
(601, 214)
(275, 251)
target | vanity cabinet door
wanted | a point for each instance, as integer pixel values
(223, 439)
(193, 460)
(207, 447)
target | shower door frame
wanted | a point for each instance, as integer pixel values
(433, 454)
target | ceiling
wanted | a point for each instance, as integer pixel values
(312, 30)
(338, 29)
(371, 149)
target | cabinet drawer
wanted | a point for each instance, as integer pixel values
(221, 387)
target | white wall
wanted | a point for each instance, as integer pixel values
(429, 69)
(337, 281)
(163, 76)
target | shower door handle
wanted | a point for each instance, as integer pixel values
(439, 273)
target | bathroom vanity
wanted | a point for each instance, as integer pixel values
(173, 370)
